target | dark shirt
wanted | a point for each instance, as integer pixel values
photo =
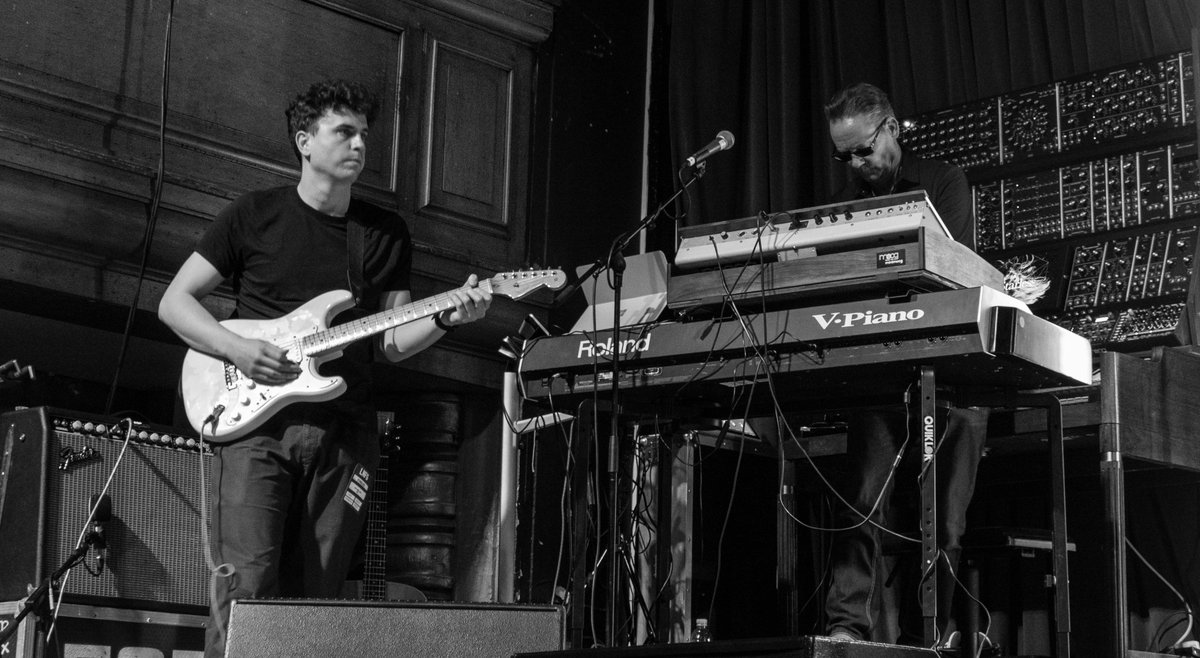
(946, 185)
(278, 253)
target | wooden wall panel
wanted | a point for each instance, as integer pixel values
(469, 117)
(234, 66)
(247, 59)
(475, 132)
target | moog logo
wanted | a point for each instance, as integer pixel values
(862, 318)
(889, 258)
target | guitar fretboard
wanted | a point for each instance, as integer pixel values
(374, 587)
(374, 584)
(341, 335)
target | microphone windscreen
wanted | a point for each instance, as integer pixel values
(103, 507)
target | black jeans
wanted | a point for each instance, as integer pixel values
(288, 503)
(873, 439)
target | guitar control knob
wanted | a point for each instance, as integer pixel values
(234, 417)
(101, 429)
(250, 383)
(88, 427)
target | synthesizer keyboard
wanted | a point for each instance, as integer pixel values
(975, 337)
(832, 226)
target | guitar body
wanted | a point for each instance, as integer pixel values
(209, 383)
(223, 404)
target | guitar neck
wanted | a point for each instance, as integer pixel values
(374, 583)
(337, 337)
(375, 561)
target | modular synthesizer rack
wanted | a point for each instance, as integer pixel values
(1095, 180)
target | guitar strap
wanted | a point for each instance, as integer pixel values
(356, 246)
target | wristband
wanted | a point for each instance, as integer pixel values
(437, 320)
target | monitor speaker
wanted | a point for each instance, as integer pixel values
(52, 465)
(809, 646)
(269, 628)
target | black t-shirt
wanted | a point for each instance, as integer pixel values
(278, 253)
(945, 184)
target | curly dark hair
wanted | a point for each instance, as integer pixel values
(306, 109)
(859, 98)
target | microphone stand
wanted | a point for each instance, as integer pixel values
(38, 598)
(616, 263)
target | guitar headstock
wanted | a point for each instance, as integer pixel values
(516, 285)
(12, 371)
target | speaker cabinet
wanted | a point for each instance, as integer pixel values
(52, 464)
(808, 646)
(269, 628)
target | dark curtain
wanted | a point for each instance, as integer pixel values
(742, 67)
(762, 69)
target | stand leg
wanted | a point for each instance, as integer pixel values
(506, 554)
(1062, 593)
(581, 458)
(927, 421)
(970, 633)
(1112, 480)
(38, 599)
(786, 540)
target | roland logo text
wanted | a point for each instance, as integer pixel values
(590, 350)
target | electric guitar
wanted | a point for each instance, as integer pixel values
(223, 403)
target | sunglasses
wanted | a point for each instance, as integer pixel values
(862, 151)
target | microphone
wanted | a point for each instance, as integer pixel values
(723, 142)
(101, 516)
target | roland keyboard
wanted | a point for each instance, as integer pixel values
(974, 337)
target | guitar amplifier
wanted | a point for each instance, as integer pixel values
(53, 463)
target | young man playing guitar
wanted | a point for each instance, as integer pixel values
(289, 493)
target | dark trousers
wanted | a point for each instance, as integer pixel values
(288, 503)
(873, 439)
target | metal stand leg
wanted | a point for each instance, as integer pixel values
(1062, 581)
(580, 528)
(1058, 498)
(506, 555)
(1112, 480)
(929, 545)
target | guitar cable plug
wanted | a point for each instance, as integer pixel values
(216, 413)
